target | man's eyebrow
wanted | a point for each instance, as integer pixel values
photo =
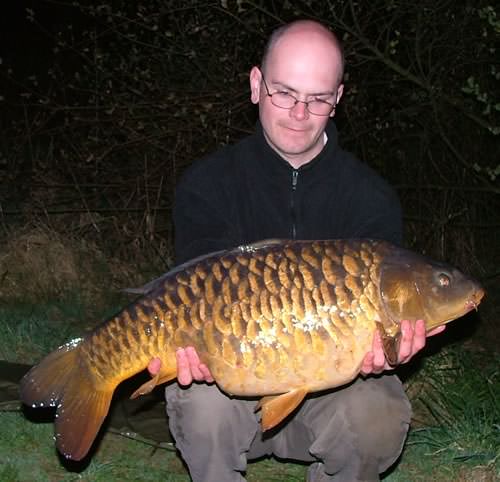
(278, 84)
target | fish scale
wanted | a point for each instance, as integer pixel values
(279, 319)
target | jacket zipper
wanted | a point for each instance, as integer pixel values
(295, 175)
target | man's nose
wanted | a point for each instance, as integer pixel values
(299, 110)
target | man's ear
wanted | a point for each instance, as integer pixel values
(340, 91)
(255, 83)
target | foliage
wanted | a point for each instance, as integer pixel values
(118, 458)
(97, 129)
(464, 404)
(29, 331)
(39, 264)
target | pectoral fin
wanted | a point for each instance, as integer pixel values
(277, 408)
(390, 342)
(158, 379)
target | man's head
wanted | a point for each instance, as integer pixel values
(305, 60)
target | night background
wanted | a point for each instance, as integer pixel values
(104, 104)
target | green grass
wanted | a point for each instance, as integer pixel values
(461, 437)
(28, 454)
(467, 419)
(29, 331)
(456, 396)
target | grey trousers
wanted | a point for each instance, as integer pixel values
(349, 434)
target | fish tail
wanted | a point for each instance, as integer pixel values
(61, 380)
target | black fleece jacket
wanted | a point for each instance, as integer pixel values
(247, 192)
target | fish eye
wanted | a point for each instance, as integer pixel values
(444, 279)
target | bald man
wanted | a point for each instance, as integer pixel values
(290, 179)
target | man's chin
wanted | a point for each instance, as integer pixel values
(291, 148)
(294, 149)
(292, 144)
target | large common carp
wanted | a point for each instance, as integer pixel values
(279, 319)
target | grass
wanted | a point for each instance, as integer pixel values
(29, 331)
(456, 394)
(118, 458)
(461, 438)
(28, 454)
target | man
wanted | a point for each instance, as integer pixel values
(289, 180)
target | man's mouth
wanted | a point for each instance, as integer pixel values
(295, 129)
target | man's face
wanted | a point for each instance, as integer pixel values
(307, 67)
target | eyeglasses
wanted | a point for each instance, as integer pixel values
(284, 100)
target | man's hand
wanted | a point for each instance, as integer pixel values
(189, 367)
(412, 341)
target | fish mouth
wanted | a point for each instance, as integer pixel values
(473, 303)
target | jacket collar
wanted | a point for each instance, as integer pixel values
(271, 160)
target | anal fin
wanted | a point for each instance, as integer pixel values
(277, 408)
(162, 376)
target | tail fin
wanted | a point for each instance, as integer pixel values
(60, 380)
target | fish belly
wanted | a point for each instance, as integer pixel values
(274, 370)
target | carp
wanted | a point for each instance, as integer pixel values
(277, 319)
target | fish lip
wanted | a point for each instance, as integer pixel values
(473, 302)
(471, 305)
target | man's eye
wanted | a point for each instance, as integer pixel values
(283, 93)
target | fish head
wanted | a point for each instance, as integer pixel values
(415, 287)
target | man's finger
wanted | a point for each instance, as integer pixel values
(154, 366)
(437, 330)
(192, 355)
(184, 376)
(207, 376)
(379, 360)
(419, 337)
(196, 373)
(194, 363)
(406, 343)
(367, 366)
(199, 370)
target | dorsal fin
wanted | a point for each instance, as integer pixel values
(264, 243)
(244, 248)
(151, 285)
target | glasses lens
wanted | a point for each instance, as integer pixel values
(284, 100)
(288, 101)
(320, 108)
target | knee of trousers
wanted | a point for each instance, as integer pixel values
(367, 425)
(203, 416)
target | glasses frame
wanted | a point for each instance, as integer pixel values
(297, 101)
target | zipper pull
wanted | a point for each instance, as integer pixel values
(295, 176)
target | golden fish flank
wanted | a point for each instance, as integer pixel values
(282, 318)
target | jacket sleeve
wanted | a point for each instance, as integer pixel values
(201, 215)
